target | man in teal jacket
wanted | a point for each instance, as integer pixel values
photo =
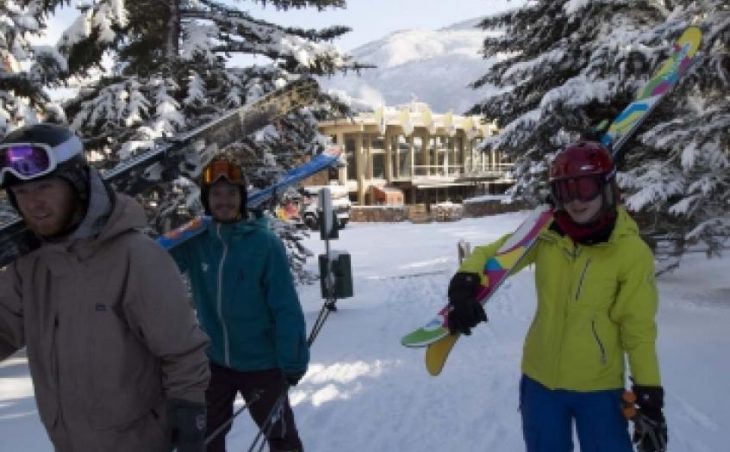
(247, 304)
(597, 300)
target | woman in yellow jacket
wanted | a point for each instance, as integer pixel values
(597, 300)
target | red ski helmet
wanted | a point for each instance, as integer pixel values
(582, 171)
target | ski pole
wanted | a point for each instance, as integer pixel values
(256, 396)
(268, 424)
(266, 427)
(643, 426)
(327, 307)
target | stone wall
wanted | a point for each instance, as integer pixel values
(494, 206)
(378, 213)
(422, 213)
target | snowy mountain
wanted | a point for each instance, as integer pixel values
(432, 66)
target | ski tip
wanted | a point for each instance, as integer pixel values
(433, 331)
(182, 233)
(437, 353)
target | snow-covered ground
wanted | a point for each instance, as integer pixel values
(364, 391)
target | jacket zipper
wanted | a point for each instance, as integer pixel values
(598, 341)
(582, 277)
(219, 301)
(55, 369)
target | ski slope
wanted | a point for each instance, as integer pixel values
(365, 392)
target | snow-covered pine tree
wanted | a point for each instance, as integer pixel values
(685, 200)
(26, 70)
(175, 67)
(567, 65)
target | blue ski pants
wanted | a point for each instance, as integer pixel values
(548, 415)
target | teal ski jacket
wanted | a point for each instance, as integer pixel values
(245, 297)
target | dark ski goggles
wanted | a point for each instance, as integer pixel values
(222, 169)
(584, 188)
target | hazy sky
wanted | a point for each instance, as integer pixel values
(373, 19)
(369, 19)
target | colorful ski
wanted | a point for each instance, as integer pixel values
(197, 225)
(435, 334)
(648, 97)
(497, 270)
(328, 158)
(192, 228)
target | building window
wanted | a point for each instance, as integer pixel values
(378, 165)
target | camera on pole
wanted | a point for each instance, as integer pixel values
(335, 272)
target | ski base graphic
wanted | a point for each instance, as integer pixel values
(437, 352)
(497, 269)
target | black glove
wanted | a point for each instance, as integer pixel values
(650, 427)
(187, 422)
(293, 377)
(464, 309)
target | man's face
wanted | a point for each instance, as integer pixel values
(224, 200)
(48, 206)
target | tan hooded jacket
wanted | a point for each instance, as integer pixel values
(109, 332)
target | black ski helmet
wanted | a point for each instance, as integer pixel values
(223, 166)
(68, 161)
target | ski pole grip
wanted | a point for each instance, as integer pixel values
(629, 404)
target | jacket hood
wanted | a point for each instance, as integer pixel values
(109, 214)
(100, 202)
(625, 225)
(126, 215)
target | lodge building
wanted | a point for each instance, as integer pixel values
(410, 155)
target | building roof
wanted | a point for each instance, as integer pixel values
(415, 114)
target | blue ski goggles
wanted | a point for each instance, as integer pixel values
(27, 161)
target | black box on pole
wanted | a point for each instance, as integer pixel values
(341, 274)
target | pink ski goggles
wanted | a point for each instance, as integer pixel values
(584, 188)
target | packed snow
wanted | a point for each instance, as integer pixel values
(364, 391)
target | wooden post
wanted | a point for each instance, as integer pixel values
(446, 154)
(388, 157)
(369, 146)
(360, 169)
(426, 147)
(342, 172)
(411, 156)
(396, 155)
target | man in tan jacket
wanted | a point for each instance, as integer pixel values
(115, 353)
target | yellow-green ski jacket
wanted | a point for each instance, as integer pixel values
(595, 304)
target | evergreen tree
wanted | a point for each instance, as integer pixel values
(680, 179)
(567, 65)
(175, 68)
(26, 70)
